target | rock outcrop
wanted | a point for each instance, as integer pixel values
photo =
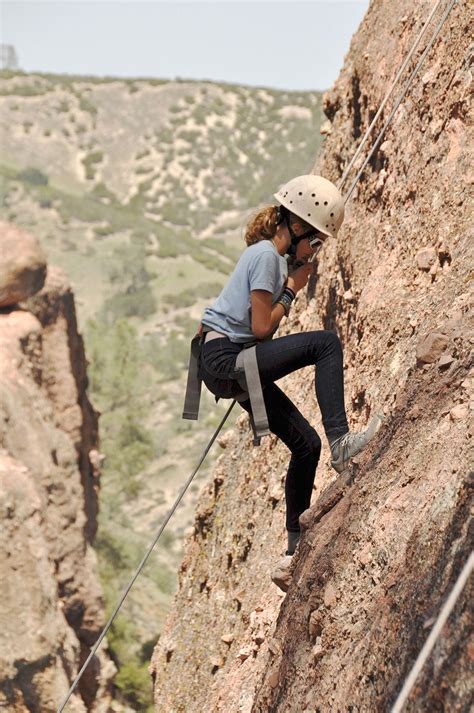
(52, 609)
(23, 265)
(382, 545)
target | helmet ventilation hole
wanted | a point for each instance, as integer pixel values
(300, 193)
(313, 195)
(325, 202)
(317, 203)
(309, 215)
(332, 215)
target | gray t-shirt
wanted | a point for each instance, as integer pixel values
(260, 267)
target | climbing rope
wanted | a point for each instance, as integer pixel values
(145, 558)
(401, 97)
(224, 419)
(342, 180)
(435, 632)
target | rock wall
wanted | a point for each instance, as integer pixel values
(383, 543)
(52, 608)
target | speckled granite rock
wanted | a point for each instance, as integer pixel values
(382, 547)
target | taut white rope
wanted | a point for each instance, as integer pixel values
(401, 97)
(342, 180)
(435, 632)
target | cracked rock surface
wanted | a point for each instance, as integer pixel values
(52, 608)
(383, 544)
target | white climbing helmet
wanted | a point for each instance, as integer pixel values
(316, 200)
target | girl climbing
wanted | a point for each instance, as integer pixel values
(248, 311)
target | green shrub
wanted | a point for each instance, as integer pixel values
(118, 384)
(33, 175)
(100, 190)
(135, 683)
(101, 231)
(85, 105)
(89, 161)
(142, 154)
(23, 90)
(164, 136)
(135, 303)
(143, 169)
(168, 357)
(163, 577)
(188, 297)
(189, 135)
(132, 679)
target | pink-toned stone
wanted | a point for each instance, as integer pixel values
(425, 258)
(330, 595)
(430, 347)
(22, 265)
(459, 412)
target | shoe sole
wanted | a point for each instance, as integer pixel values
(374, 426)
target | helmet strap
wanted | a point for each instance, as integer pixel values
(295, 239)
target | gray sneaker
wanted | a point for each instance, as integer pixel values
(350, 444)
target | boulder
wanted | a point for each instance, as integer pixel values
(23, 265)
(426, 258)
(431, 347)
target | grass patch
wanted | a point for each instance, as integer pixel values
(33, 175)
(89, 161)
(187, 298)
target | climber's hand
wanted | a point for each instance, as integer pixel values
(299, 277)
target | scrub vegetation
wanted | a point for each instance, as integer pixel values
(144, 210)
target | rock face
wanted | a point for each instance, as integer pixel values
(52, 609)
(382, 545)
(23, 265)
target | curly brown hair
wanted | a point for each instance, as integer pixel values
(262, 225)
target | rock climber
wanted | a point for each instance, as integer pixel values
(258, 294)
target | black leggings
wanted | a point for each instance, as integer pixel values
(277, 358)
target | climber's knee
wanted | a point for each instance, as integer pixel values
(309, 445)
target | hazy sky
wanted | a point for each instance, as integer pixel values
(285, 45)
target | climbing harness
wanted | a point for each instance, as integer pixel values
(246, 374)
(435, 632)
(193, 402)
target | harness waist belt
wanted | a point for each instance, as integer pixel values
(214, 335)
(250, 380)
(245, 373)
